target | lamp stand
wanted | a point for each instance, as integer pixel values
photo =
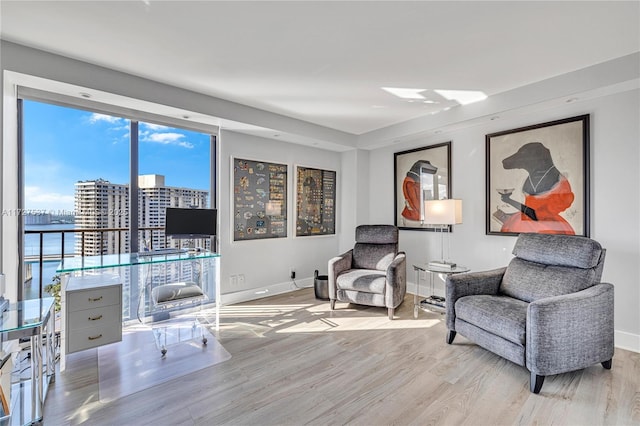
(442, 264)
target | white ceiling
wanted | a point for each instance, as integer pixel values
(325, 62)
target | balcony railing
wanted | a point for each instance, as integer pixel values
(40, 258)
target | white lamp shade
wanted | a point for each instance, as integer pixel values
(443, 212)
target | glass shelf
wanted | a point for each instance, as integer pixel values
(22, 317)
(79, 263)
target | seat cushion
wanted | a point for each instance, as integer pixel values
(175, 292)
(500, 315)
(362, 280)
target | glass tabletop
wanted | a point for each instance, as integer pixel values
(80, 263)
(455, 270)
(26, 314)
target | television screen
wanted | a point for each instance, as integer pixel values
(190, 223)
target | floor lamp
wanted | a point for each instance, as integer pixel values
(444, 213)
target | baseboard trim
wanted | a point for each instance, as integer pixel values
(261, 292)
(627, 341)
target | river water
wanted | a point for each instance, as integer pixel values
(51, 245)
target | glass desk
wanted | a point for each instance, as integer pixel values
(31, 318)
(433, 302)
(147, 266)
(141, 272)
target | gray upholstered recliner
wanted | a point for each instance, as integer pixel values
(373, 272)
(547, 310)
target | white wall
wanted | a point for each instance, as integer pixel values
(615, 186)
(265, 263)
(354, 203)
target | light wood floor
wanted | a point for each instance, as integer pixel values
(295, 362)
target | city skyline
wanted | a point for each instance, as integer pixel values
(63, 146)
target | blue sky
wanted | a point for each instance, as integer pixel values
(64, 146)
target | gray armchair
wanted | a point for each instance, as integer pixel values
(547, 310)
(373, 272)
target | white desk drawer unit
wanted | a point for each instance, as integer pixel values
(93, 312)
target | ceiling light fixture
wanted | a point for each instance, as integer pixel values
(405, 93)
(463, 97)
(85, 95)
(571, 100)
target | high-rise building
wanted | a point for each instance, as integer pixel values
(100, 204)
(155, 197)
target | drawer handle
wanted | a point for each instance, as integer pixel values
(95, 318)
(95, 299)
(95, 337)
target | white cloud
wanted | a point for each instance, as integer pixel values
(96, 118)
(119, 128)
(168, 138)
(39, 199)
(152, 126)
(149, 132)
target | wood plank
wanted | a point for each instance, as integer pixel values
(294, 361)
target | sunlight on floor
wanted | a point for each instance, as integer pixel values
(282, 318)
(235, 311)
(358, 324)
(83, 413)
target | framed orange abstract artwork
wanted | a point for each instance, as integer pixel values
(537, 179)
(420, 174)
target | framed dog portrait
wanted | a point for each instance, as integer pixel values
(420, 174)
(537, 179)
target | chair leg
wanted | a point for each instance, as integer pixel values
(333, 304)
(390, 311)
(450, 336)
(607, 364)
(536, 382)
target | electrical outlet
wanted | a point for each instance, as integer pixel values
(233, 280)
(292, 273)
(241, 279)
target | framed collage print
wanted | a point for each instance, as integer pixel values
(259, 199)
(315, 202)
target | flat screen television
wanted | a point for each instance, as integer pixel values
(184, 223)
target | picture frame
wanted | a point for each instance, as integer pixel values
(537, 178)
(259, 199)
(433, 163)
(315, 201)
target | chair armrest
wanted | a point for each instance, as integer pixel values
(396, 281)
(570, 332)
(337, 265)
(468, 284)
